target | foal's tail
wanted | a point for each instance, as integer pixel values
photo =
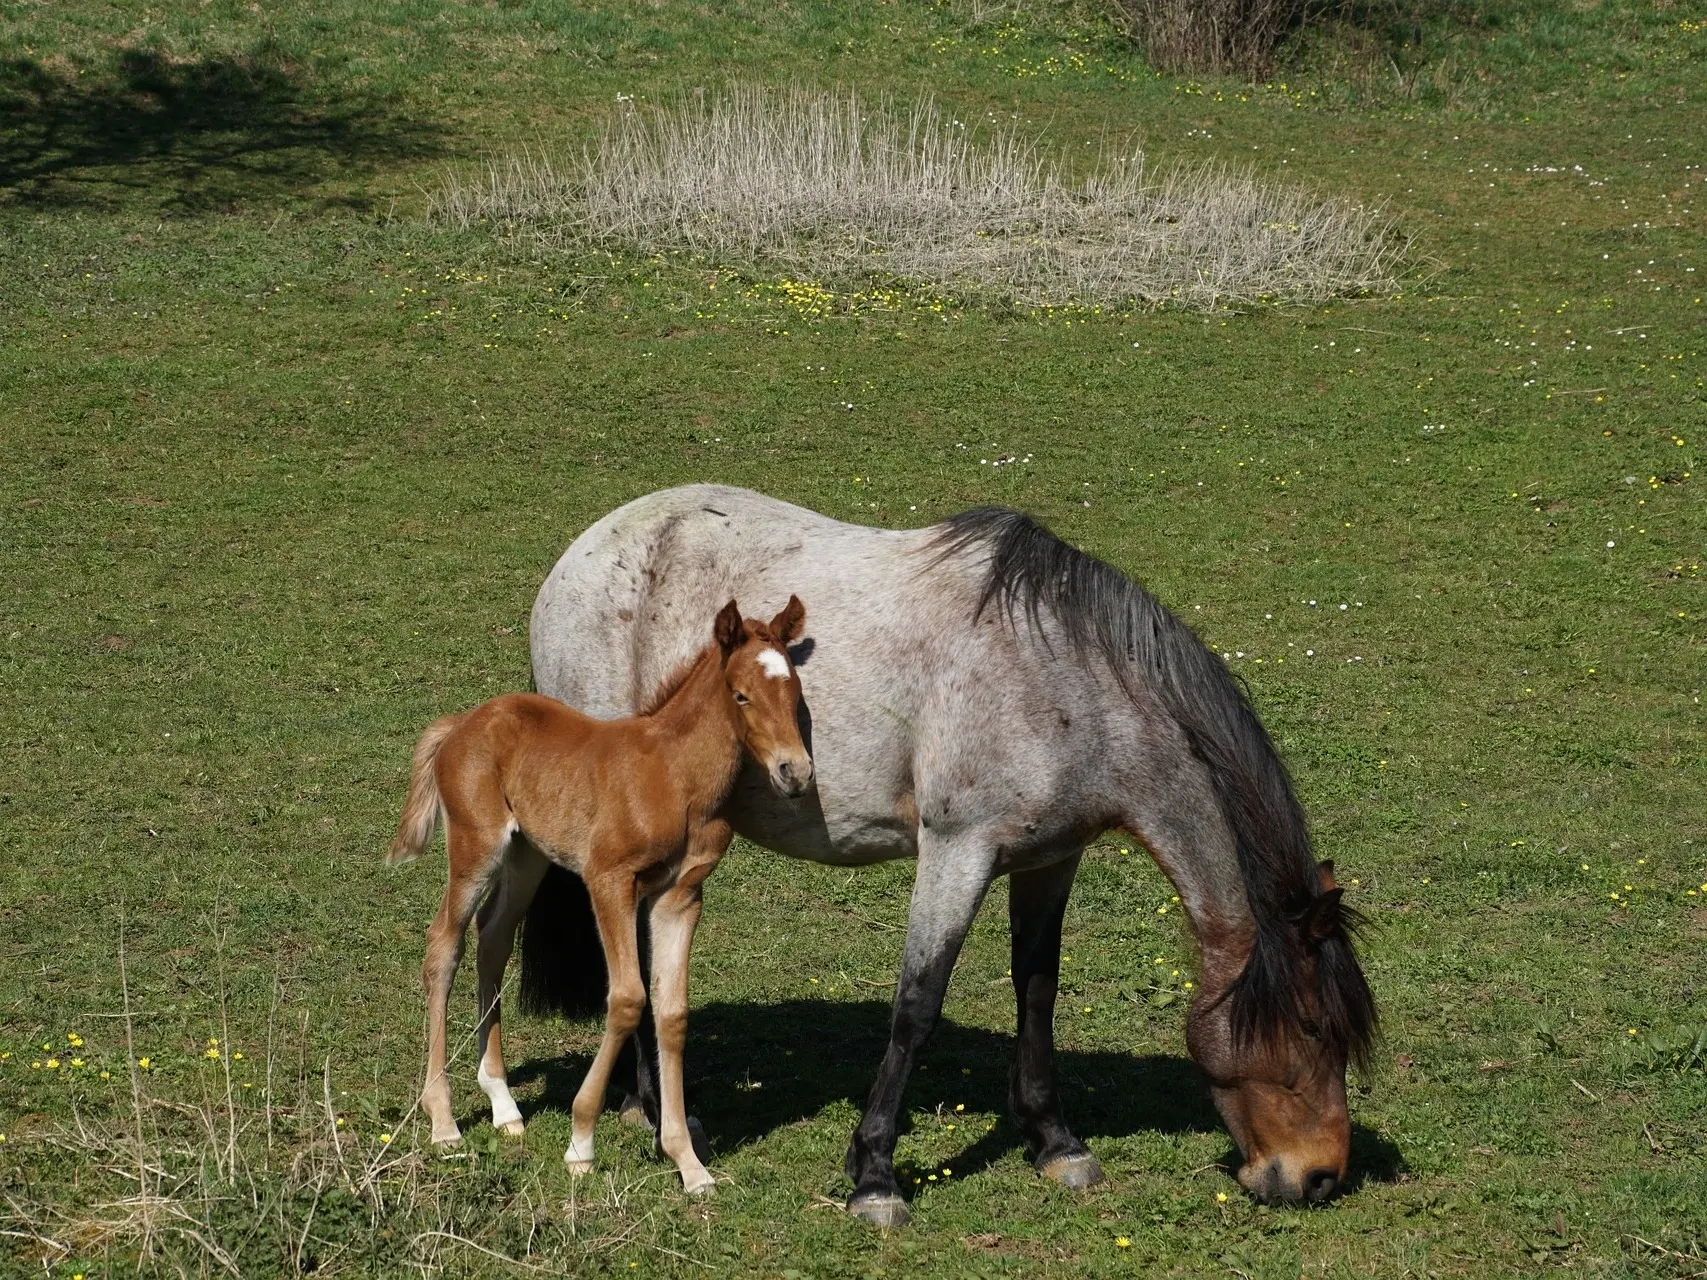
(421, 809)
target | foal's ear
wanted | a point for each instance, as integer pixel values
(727, 628)
(1321, 918)
(787, 624)
(1326, 867)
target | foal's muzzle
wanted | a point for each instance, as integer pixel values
(791, 776)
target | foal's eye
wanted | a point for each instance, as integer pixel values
(741, 699)
(1312, 1029)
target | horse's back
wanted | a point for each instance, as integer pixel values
(635, 595)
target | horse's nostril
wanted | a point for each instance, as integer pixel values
(786, 771)
(1319, 1184)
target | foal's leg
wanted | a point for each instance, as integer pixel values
(472, 849)
(613, 906)
(517, 879)
(1037, 900)
(675, 915)
(952, 878)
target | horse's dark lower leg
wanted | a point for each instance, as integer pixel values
(1037, 901)
(950, 884)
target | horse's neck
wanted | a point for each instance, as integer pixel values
(698, 721)
(1211, 887)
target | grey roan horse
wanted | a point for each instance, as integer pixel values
(986, 699)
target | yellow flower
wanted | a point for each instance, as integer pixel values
(1632, 1030)
(77, 1062)
(145, 1063)
(53, 1064)
(238, 1056)
(1220, 1197)
(385, 1137)
(212, 1053)
(1121, 1242)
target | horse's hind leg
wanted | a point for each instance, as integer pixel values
(613, 898)
(1037, 900)
(471, 850)
(516, 882)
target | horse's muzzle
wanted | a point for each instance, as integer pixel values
(1273, 1184)
(792, 777)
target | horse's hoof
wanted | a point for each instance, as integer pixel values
(883, 1209)
(631, 1112)
(512, 1128)
(1073, 1171)
(579, 1156)
(449, 1138)
(701, 1187)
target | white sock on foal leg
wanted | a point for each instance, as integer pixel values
(506, 1115)
(579, 1157)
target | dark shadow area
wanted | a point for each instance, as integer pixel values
(756, 1068)
(187, 135)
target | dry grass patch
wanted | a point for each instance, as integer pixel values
(820, 184)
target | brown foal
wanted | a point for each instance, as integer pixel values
(632, 806)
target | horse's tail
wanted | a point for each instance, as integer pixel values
(421, 809)
(563, 961)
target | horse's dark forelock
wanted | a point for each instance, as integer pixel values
(1098, 610)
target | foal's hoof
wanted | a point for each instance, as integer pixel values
(512, 1128)
(631, 1112)
(702, 1186)
(448, 1138)
(881, 1209)
(579, 1156)
(1073, 1171)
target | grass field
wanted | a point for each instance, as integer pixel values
(284, 463)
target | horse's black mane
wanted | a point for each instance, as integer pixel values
(1099, 610)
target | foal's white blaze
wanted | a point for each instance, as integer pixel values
(775, 665)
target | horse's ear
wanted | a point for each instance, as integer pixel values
(1321, 918)
(1326, 867)
(787, 624)
(727, 628)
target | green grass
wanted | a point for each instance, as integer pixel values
(284, 466)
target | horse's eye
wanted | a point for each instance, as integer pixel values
(1312, 1029)
(741, 699)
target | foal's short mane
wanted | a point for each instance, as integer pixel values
(1099, 610)
(670, 685)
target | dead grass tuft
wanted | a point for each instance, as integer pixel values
(820, 184)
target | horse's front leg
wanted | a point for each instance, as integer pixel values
(953, 875)
(675, 915)
(614, 898)
(1037, 901)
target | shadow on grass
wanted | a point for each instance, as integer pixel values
(187, 135)
(757, 1068)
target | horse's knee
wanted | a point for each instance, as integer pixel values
(624, 1006)
(672, 1030)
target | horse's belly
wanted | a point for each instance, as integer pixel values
(846, 830)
